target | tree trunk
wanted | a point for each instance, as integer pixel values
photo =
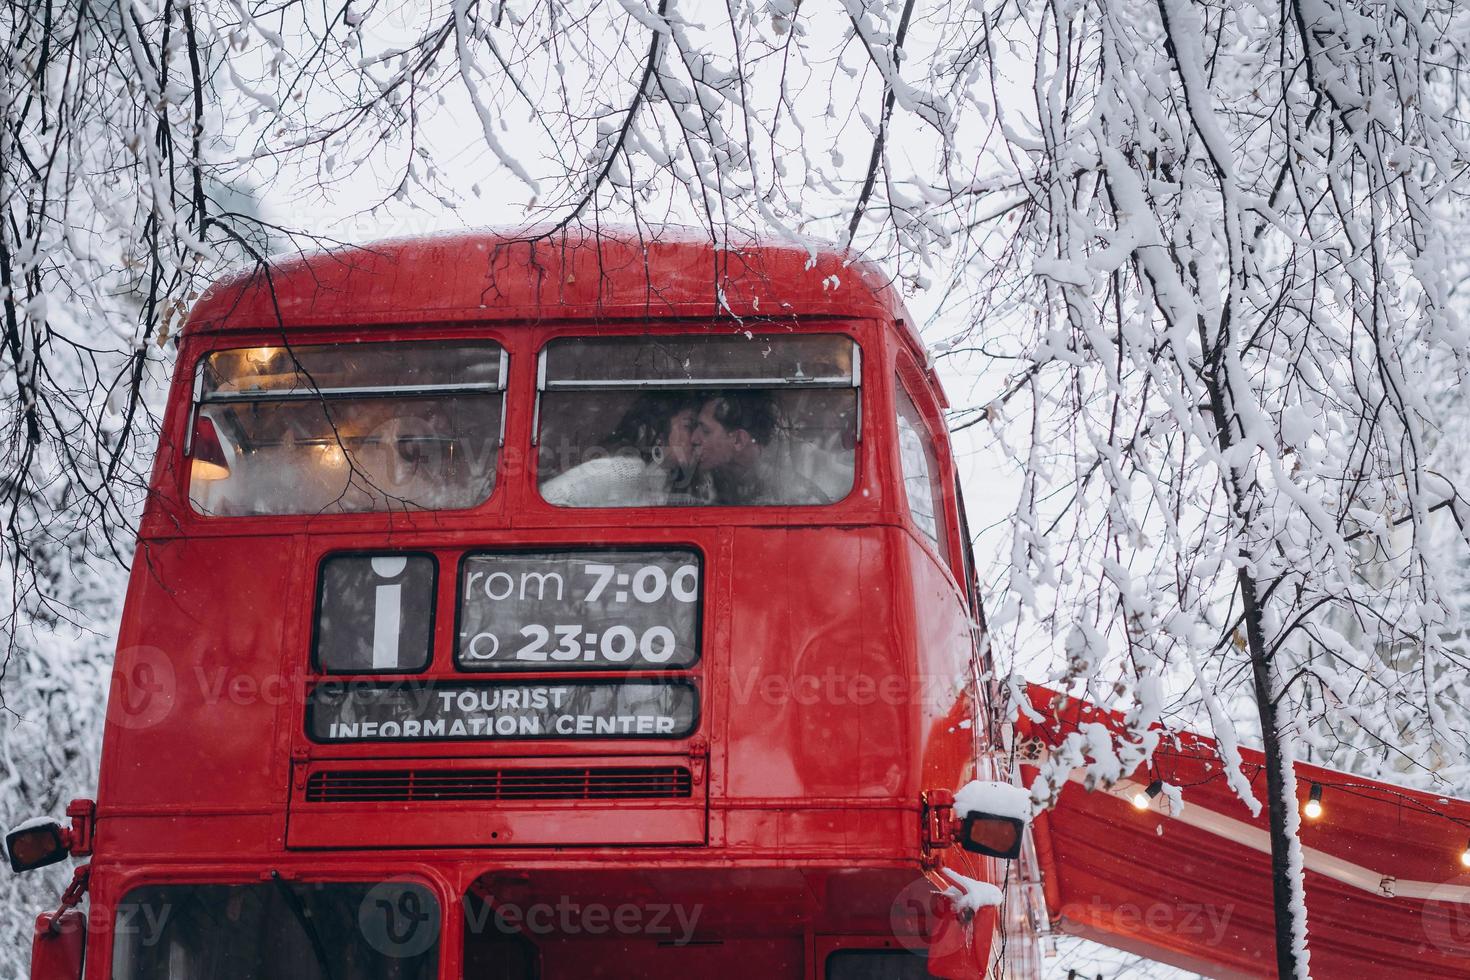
(1278, 778)
(1276, 782)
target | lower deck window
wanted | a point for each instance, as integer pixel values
(302, 930)
(877, 964)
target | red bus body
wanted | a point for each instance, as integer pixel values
(838, 681)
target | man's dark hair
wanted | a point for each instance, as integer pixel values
(753, 411)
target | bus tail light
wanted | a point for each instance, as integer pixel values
(992, 835)
(35, 844)
(208, 454)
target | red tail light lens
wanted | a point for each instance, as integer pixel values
(35, 846)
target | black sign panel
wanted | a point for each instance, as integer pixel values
(449, 711)
(590, 610)
(375, 613)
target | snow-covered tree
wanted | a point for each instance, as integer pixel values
(1227, 290)
(1213, 239)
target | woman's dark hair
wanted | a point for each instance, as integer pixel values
(645, 425)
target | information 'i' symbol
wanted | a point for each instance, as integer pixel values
(387, 612)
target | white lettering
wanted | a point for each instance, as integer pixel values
(541, 579)
(477, 654)
(510, 586)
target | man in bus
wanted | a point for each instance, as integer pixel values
(736, 444)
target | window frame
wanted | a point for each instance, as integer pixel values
(943, 543)
(198, 399)
(674, 330)
(421, 876)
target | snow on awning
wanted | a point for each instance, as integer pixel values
(1387, 893)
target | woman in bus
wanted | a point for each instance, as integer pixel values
(650, 460)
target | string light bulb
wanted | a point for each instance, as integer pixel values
(1144, 798)
(1465, 856)
(1312, 809)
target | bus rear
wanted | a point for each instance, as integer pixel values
(505, 611)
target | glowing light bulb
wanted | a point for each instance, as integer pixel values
(259, 357)
(332, 454)
(1312, 809)
(1465, 856)
(1144, 798)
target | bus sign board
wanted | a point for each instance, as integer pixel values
(459, 711)
(587, 610)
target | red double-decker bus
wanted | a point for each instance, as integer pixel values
(510, 608)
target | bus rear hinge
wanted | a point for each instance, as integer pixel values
(698, 756)
(300, 762)
(83, 814)
(938, 816)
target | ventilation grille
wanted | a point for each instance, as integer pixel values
(441, 785)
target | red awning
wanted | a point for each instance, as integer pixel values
(1387, 894)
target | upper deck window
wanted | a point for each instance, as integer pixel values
(728, 420)
(347, 427)
(920, 466)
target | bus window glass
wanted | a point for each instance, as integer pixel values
(346, 427)
(878, 964)
(698, 421)
(303, 930)
(920, 465)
